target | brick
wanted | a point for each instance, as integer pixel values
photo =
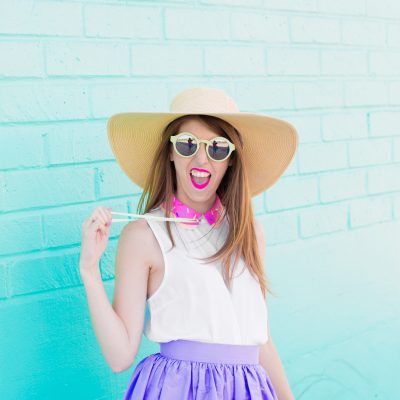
(167, 60)
(71, 219)
(235, 60)
(20, 233)
(49, 320)
(3, 281)
(71, 58)
(281, 61)
(363, 32)
(365, 93)
(107, 99)
(394, 93)
(384, 179)
(340, 126)
(322, 157)
(348, 62)
(370, 152)
(43, 102)
(315, 221)
(318, 94)
(78, 142)
(354, 7)
(40, 18)
(279, 227)
(133, 203)
(393, 33)
(107, 261)
(259, 26)
(39, 273)
(22, 146)
(315, 30)
(112, 181)
(263, 95)
(396, 206)
(299, 5)
(123, 21)
(370, 211)
(385, 62)
(47, 187)
(190, 23)
(386, 9)
(342, 185)
(246, 3)
(307, 126)
(384, 123)
(292, 192)
(396, 149)
(2, 191)
(21, 59)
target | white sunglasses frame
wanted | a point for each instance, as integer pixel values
(174, 138)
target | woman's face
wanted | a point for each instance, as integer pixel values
(201, 199)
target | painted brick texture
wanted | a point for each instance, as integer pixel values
(330, 68)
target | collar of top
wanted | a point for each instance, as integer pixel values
(182, 210)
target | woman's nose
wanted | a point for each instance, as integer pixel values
(202, 153)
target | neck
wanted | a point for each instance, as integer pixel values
(199, 206)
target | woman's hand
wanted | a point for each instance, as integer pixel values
(95, 234)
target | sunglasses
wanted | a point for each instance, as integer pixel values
(187, 145)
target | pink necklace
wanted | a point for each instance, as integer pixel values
(182, 210)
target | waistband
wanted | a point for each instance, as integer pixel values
(191, 350)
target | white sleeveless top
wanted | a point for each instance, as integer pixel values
(193, 301)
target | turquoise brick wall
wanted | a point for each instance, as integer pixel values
(332, 68)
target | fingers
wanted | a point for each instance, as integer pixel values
(106, 214)
(100, 218)
(98, 225)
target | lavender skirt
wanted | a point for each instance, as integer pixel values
(186, 369)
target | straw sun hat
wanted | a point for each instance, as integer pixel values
(269, 144)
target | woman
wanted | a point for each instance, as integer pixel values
(201, 275)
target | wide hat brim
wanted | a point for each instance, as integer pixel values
(269, 144)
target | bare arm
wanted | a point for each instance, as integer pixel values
(118, 327)
(133, 262)
(269, 357)
(108, 327)
(271, 362)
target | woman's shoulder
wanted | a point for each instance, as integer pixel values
(145, 226)
(139, 226)
(139, 232)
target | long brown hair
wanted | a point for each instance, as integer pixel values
(233, 191)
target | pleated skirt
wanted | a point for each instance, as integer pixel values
(186, 369)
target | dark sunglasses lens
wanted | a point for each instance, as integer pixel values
(219, 149)
(186, 145)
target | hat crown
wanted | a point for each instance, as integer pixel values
(203, 100)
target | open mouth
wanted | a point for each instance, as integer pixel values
(200, 179)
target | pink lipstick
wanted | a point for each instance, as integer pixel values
(198, 185)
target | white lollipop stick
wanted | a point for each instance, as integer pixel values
(154, 217)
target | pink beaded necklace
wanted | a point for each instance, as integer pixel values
(182, 210)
